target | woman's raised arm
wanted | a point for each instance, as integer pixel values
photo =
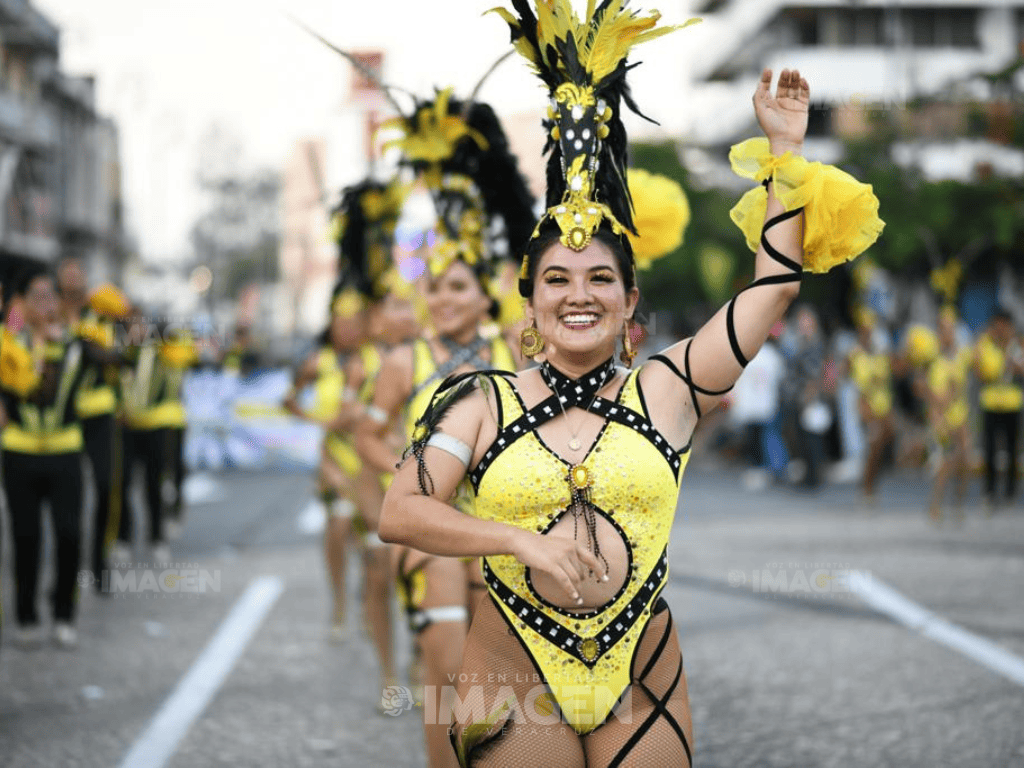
(710, 362)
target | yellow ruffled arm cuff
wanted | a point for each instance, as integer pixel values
(840, 213)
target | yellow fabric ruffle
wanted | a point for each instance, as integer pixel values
(840, 213)
(17, 368)
(662, 214)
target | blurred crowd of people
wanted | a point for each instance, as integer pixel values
(929, 397)
(91, 393)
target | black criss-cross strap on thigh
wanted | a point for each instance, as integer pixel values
(796, 273)
(579, 393)
(660, 703)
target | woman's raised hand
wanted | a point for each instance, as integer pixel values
(783, 117)
(565, 560)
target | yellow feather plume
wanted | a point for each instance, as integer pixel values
(109, 301)
(179, 353)
(17, 369)
(661, 215)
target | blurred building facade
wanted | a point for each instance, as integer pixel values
(865, 58)
(307, 257)
(60, 173)
(316, 171)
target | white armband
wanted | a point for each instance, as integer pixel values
(452, 445)
(379, 415)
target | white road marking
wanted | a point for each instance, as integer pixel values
(195, 691)
(312, 519)
(887, 600)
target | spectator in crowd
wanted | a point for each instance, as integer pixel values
(999, 365)
(802, 394)
(755, 405)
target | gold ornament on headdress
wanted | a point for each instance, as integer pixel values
(462, 224)
(347, 304)
(577, 58)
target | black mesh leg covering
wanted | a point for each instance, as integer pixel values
(652, 725)
(505, 715)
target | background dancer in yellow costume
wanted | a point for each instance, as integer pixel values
(462, 156)
(871, 372)
(575, 472)
(366, 221)
(336, 410)
(947, 367)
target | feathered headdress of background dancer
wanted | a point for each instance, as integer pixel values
(583, 64)
(462, 154)
(460, 151)
(364, 229)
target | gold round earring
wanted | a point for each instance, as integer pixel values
(628, 351)
(530, 341)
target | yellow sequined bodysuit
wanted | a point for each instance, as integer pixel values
(329, 387)
(947, 379)
(583, 657)
(427, 376)
(872, 376)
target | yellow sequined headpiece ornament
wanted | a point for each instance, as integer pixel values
(582, 61)
(460, 232)
(347, 303)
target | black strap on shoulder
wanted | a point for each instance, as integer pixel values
(687, 378)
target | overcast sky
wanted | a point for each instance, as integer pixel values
(167, 70)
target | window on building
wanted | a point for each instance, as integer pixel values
(859, 27)
(941, 27)
(802, 25)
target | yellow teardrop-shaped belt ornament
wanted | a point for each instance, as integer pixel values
(579, 476)
(589, 649)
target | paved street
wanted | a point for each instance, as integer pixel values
(786, 666)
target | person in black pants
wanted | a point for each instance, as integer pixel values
(148, 417)
(999, 364)
(92, 317)
(40, 372)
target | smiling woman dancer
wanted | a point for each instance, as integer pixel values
(437, 593)
(575, 472)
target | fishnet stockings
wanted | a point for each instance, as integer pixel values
(650, 729)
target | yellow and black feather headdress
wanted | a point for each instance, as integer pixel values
(461, 154)
(364, 229)
(582, 61)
